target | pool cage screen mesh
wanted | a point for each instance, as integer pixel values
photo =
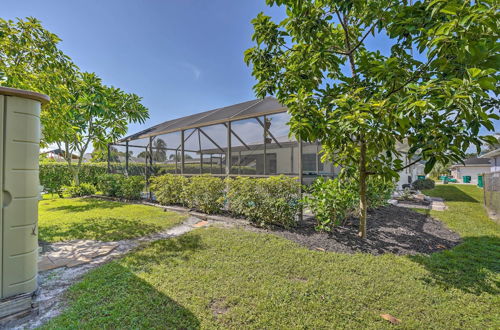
(241, 140)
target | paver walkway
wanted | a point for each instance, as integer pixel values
(73, 253)
(66, 262)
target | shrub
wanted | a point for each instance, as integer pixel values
(54, 176)
(379, 191)
(109, 184)
(331, 201)
(269, 201)
(279, 200)
(242, 196)
(131, 187)
(84, 189)
(423, 184)
(205, 193)
(118, 185)
(168, 188)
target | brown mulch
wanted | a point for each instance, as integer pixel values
(391, 229)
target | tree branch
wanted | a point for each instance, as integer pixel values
(399, 168)
(349, 52)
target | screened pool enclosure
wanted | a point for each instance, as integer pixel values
(245, 139)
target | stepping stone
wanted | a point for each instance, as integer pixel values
(438, 206)
(74, 253)
(78, 262)
(201, 224)
(46, 264)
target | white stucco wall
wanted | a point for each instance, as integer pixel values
(458, 172)
(495, 164)
(413, 171)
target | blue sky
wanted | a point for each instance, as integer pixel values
(181, 56)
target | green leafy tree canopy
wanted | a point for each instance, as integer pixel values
(431, 90)
(82, 111)
(97, 115)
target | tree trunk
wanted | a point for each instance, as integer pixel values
(362, 191)
(76, 172)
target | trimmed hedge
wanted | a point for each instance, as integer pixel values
(168, 189)
(205, 193)
(54, 176)
(267, 201)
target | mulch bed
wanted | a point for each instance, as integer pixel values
(391, 229)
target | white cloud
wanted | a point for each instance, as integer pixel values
(193, 68)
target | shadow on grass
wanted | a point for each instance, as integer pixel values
(470, 266)
(169, 252)
(450, 193)
(87, 204)
(113, 296)
(101, 229)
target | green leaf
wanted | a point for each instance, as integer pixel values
(474, 72)
(487, 83)
(450, 9)
(429, 165)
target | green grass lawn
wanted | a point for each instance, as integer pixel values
(231, 278)
(62, 219)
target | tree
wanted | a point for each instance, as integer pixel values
(439, 169)
(178, 157)
(30, 59)
(160, 152)
(428, 90)
(82, 110)
(96, 114)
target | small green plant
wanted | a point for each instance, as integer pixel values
(168, 189)
(406, 195)
(110, 184)
(331, 201)
(84, 189)
(379, 191)
(205, 193)
(424, 184)
(118, 185)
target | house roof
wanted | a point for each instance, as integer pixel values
(58, 152)
(490, 154)
(249, 109)
(476, 161)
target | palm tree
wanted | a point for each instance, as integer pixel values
(160, 152)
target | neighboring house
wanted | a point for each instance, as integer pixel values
(494, 158)
(57, 155)
(473, 167)
(87, 158)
